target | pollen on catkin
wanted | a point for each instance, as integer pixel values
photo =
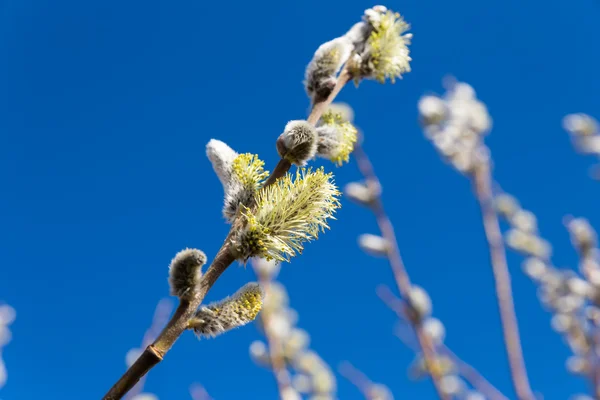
(247, 177)
(185, 272)
(232, 312)
(321, 72)
(345, 111)
(240, 174)
(386, 53)
(298, 142)
(336, 138)
(287, 214)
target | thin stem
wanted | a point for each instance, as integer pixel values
(282, 376)
(320, 107)
(160, 318)
(282, 167)
(155, 352)
(469, 373)
(482, 182)
(398, 269)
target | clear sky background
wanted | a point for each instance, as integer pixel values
(105, 109)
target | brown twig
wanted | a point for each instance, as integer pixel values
(154, 353)
(282, 167)
(399, 271)
(469, 373)
(160, 318)
(319, 108)
(282, 376)
(482, 182)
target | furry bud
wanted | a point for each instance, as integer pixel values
(298, 142)
(229, 313)
(321, 72)
(561, 323)
(419, 302)
(185, 272)
(344, 110)
(534, 268)
(221, 157)
(7, 315)
(264, 268)
(577, 365)
(289, 393)
(432, 110)
(434, 329)
(580, 125)
(528, 244)
(360, 193)
(302, 383)
(260, 353)
(248, 176)
(583, 235)
(240, 174)
(451, 385)
(507, 205)
(440, 365)
(323, 384)
(384, 54)
(378, 391)
(524, 221)
(144, 396)
(373, 244)
(336, 138)
(295, 342)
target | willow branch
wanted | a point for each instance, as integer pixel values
(282, 167)
(320, 107)
(482, 182)
(469, 373)
(587, 266)
(278, 365)
(398, 269)
(160, 318)
(154, 353)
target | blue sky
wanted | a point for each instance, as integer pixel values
(105, 109)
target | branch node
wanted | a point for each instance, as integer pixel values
(155, 352)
